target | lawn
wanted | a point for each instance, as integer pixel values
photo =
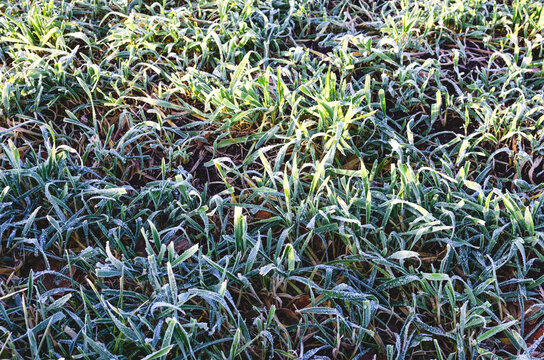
(271, 179)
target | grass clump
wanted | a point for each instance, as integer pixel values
(271, 179)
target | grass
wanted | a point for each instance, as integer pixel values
(271, 179)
